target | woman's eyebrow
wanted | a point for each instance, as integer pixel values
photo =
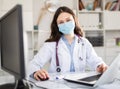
(59, 21)
(65, 18)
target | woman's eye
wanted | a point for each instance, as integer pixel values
(60, 22)
(68, 20)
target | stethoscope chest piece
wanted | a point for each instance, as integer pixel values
(58, 69)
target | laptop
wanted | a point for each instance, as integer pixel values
(96, 79)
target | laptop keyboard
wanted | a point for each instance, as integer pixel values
(91, 78)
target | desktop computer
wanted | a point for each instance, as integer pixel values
(12, 48)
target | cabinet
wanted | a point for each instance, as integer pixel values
(100, 23)
(32, 36)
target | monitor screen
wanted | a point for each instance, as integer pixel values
(0, 44)
(12, 52)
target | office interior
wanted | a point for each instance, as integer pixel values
(101, 26)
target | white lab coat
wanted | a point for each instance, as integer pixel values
(83, 54)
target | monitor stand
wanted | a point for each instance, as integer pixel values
(19, 84)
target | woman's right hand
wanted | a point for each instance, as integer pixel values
(41, 75)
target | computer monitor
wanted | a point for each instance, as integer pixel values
(12, 50)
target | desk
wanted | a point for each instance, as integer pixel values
(54, 83)
(59, 83)
(62, 84)
(6, 77)
(68, 85)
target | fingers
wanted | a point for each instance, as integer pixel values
(105, 68)
(102, 68)
(46, 74)
(41, 75)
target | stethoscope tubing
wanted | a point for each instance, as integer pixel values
(57, 59)
(58, 69)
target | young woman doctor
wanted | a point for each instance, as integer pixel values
(66, 49)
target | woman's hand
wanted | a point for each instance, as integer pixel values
(102, 68)
(41, 75)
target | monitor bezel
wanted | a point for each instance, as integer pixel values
(20, 75)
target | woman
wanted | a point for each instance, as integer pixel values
(66, 49)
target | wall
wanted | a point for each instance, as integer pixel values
(38, 4)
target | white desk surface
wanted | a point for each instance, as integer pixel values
(6, 77)
(54, 83)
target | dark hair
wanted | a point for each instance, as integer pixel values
(55, 34)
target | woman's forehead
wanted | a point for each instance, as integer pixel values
(64, 15)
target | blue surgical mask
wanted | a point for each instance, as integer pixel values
(67, 27)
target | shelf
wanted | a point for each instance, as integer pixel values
(100, 23)
(86, 11)
(90, 29)
(100, 47)
(35, 31)
(107, 11)
(110, 29)
(35, 49)
(29, 31)
(113, 47)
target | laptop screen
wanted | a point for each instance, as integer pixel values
(91, 78)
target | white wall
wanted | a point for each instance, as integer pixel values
(38, 4)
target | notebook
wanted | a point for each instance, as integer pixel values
(96, 79)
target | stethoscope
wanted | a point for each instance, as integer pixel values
(58, 69)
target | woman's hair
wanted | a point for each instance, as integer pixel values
(55, 34)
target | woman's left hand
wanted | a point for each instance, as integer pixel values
(102, 68)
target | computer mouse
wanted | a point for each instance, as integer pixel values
(43, 79)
